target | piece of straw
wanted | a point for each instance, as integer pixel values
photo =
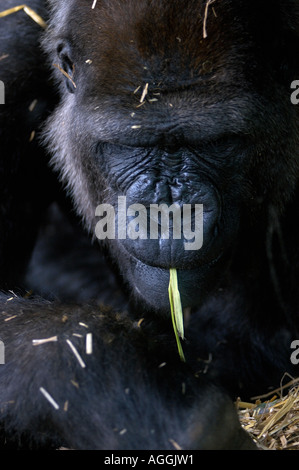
(176, 310)
(209, 2)
(65, 74)
(33, 15)
(76, 354)
(37, 342)
(49, 398)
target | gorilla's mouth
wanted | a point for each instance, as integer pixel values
(150, 283)
(180, 231)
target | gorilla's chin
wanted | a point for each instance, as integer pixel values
(149, 284)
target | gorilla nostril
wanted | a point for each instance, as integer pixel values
(175, 182)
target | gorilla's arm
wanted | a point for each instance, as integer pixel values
(130, 392)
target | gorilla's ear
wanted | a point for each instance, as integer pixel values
(66, 65)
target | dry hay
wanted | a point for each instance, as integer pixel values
(273, 424)
(29, 11)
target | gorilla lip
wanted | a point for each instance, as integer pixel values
(149, 221)
(150, 283)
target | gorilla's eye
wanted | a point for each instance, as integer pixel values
(110, 150)
(66, 66)
(223, 145)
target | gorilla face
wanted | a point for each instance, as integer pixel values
(164, 104)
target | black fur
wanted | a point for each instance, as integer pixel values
(132, 392)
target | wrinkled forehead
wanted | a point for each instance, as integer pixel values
(188, 59)
(162, 41)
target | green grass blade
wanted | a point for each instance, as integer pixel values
(176, 310)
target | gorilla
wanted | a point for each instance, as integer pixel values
(155, 103)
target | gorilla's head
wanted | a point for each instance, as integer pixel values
(175, 103)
